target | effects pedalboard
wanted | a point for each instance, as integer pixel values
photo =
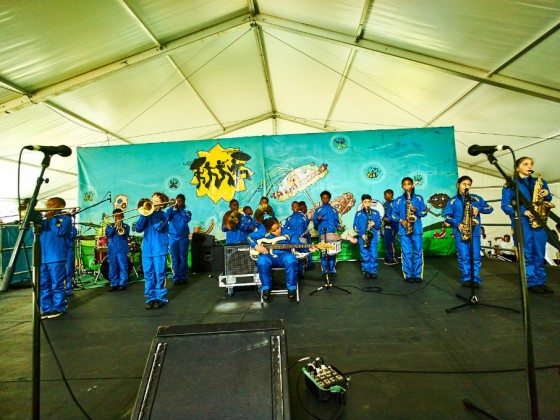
(324, 381)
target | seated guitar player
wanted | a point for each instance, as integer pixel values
(274, 256)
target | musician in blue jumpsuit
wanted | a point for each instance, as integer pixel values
(534, 239)
(154, 252)
(234, 235)
(412, 254)
(325, 220)
(454, 215)
(248, 223)
(390, 230)
(367, 223)
(179, 218)
(55, 233)
(280, 258)
(70, 260)
(306, 234)
(117, 252)
(296, 224)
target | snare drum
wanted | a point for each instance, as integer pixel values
(337, 247)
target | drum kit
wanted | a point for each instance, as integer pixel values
(92, 255)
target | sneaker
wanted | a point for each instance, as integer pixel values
(123, 287)
(373, 276)
(45, 315)
(536, 289)
(55, 314)
(113, 288)
(546, 288)
(292, 294)
(158, 304)
(333, 274)
(418, 280)
(367, 276)
(150, 304)
(467, 283)
(266, 295)
(409, 280)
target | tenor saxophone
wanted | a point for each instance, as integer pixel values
(541, 206)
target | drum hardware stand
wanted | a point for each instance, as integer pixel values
(328, 285)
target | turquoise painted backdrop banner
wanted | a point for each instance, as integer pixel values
(285, 168)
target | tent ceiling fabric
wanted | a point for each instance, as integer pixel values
(112, 72)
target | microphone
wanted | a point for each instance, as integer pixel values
(61, 150)
(110, 197)
(476, 150)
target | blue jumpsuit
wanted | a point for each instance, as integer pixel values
(248, 225)
(234, 236)
(328, 224)
(154, 253)
(117, 254)
(412, 254)
(390, 232)
(54, 252)
(70, 260)
(179, 242)
(534, 239)
(453, 215)
(369, 254)
(297, 223)
(281, 258)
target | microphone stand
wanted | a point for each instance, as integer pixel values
(531, 377)
(8, 275)
(473, 300)
(328, 285)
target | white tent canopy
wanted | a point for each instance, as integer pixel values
(112, 72)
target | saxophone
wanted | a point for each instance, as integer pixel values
(467, 222)
(410, 217)
(369, 230)
(541, 206)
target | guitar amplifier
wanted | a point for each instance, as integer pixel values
(238, 260)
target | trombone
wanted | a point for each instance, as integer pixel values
(70, 210)
(147, 207)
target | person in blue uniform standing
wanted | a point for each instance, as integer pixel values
(154, 251)
(55, 233)
(390, 230)
(280, 258)
(454, 215)
(179, 218)
(367, 223)
(307, 233)
(408, 210)
(297, 225)
(117, 251)
(248, 223)
(70, 260)
(325, 220)
(534, 238)
(231, 225)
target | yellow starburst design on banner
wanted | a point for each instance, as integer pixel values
(220, 173)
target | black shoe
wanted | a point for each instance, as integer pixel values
(292, 294)
(300, 276)
(332, 274)
(373, 276)
(418, 280)
(150, 304)
(158, 304)
(546, 288)
(467, 283)
(123, 287)
(55, 314)
(113, 288)
(409, 280)
(537, 289)
(367, 276)
(477, 285)
(266, 295)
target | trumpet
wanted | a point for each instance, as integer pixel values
(147, 207)
(70, 210)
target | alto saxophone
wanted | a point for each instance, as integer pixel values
(410, 217)
(541, 206)
(369, 230)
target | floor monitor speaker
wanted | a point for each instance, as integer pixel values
(215, 371)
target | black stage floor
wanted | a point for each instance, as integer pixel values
(406, 356)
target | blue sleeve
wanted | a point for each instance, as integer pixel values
(482, 206)
(376, 217)
(507, 197)
(449, 213)
(141, 224)
(421, 209)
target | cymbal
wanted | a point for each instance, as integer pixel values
(88, 224)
